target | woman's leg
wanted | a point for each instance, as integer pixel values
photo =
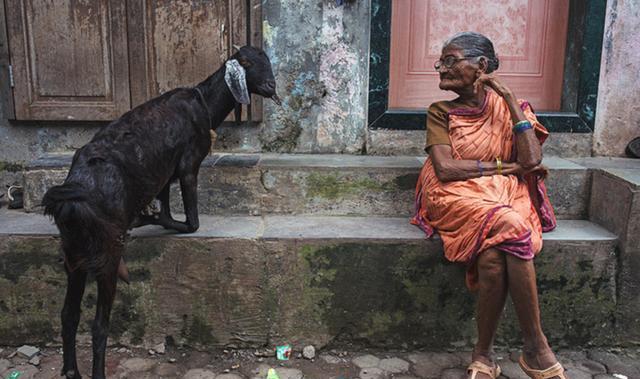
(524, 293)
(492, 294)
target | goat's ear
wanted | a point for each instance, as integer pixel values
(236, 80)
(244, 62)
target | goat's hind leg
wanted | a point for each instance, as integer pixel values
(106, 280)
(76, 281)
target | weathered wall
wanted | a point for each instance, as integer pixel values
(320, 56)
(319, 53)
(618, 110)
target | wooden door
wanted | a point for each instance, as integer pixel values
(528, 36)
(180, 43)
(69, 59)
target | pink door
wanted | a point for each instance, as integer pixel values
(528, 35)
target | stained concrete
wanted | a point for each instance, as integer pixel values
(618, 111)
(242, 281)
(319, 184)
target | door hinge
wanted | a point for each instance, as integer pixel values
(11, 82)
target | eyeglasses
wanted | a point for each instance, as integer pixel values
(448, 62)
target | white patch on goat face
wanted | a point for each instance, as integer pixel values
(236, 80)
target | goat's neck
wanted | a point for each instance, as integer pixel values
(217, 96)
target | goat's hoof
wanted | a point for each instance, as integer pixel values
(71, 374)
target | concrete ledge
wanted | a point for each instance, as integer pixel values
(332, 185)
(615, 204)
(251, 281)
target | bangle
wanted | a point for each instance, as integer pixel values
(499, 165)
(521, 126)
(480, 167)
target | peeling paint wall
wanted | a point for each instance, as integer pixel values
(618, 109)
(320, 56)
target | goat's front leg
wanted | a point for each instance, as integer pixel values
(189, 188)
(70, 318)
(107, 281)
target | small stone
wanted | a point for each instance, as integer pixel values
(122, 350)
(226, 370)
(137, 364)
(199, 373)
(172, 360)
(289, 373)
(28, 351)
(453, 373)
(261, 370)
(365, 361)
(228, 376)
(166, 370)
(394, 365)
(4, 365)
(309, 352)
(35, 361)
(430, 365)
(151, 352)
(372, 373)
(160, 348)
(331, 359)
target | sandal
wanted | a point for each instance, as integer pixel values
(550, 372)
(477, 367)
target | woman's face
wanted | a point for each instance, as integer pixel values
(461, 75)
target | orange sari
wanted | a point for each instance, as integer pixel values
(505, 212)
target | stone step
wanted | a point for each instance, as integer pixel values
(257, 281)
(258, 184)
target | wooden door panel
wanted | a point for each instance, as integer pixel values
(528, 35)
(186, 41)
(69, 59)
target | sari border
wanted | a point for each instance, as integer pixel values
(471, 111)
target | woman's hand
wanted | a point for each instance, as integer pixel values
(493, 82)
(515, 168)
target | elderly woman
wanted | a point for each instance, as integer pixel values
(481, 188)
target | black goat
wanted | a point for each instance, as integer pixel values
(128, 163)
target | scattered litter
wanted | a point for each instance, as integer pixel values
(28, 351)
(620, 376)
(283, 353)
(272, 374)
(309, 352)
(235, 367)
(14, 375)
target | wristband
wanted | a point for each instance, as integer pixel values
(521, 126)
(480, 167)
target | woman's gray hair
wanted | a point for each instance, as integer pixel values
(475, 44)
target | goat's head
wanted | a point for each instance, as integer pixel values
(257, 74)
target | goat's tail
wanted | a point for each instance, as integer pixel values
(86, 236)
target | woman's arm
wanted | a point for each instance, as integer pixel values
(527, 144)
(449, 169)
